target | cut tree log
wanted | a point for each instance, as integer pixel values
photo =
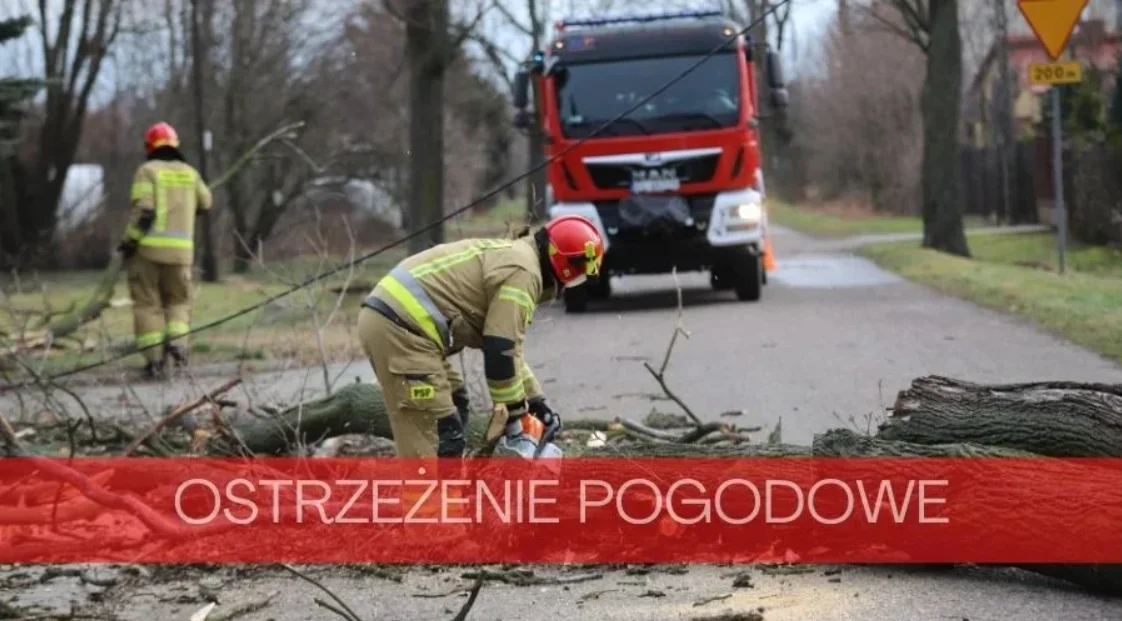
(1057, 419)
(1105, 579)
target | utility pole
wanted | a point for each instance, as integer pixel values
(209, 261)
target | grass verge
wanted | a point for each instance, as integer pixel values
(1016, 274)
(838, 222)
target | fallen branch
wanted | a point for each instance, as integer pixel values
(244, 609)
(646, 431)
(660, 375)
(180, 411)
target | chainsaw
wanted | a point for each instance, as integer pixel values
(527, 436)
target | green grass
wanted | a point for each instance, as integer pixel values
(1015, 273)
(834, 224)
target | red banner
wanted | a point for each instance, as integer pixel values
(590, 511)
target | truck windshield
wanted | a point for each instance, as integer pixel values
(594, 93)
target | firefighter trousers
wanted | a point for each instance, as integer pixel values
(161, 303)
(418, 383)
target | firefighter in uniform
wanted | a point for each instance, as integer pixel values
(167, 194)
(477, 293)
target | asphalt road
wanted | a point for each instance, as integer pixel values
(833, 338)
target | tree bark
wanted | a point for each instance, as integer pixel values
(426, 49)
(1058, 419)
(941, 100)
(209, 260)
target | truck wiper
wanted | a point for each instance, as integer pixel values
(685, 116)
(641, 127)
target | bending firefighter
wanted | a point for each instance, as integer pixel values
(477, 293)
(167, 194)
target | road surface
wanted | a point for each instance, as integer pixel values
(830, 344)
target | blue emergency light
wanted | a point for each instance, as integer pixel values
(648, 17)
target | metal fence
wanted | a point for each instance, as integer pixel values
(982, 185)
(1092, 187)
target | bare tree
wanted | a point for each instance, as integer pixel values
(933, 26)
(432, 42)
(861, 131)
(76, 39)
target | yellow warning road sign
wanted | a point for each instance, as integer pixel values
(1052, 21)
(1042, 74)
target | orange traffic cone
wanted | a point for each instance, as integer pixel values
(769, 255)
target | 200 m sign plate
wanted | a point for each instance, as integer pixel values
(1044, 74)
(654, 180)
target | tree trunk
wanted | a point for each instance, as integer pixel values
(1058, 419)
(426, 42)
(536, 207)
(360, 409)
(941, 99)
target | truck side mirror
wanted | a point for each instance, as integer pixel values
(780, 98)
(775, 78)
(521, 90)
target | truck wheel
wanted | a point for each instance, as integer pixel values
(576, 299)
(749, 278)
(720, 278)
(599, 288)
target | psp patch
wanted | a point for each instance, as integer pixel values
(422, 392)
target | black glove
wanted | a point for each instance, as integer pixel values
(127, 248)
(541, 410)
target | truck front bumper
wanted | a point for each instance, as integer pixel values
(723, 227)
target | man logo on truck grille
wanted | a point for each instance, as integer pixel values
(652, 180)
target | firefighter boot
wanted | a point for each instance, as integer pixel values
(177, 354)
(154, 369)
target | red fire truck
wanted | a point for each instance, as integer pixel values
(675, 183)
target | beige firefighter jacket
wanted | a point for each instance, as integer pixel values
(166, 196)
(459, 293)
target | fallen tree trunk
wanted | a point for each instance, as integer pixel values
(360, 409)
(1036, 517)
(1057, 419)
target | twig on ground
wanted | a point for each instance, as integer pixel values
(343, 611)
(646, 431)
(245, 608)
(466, 608)
(180, 411)
(9, 434)
(695, 435)
(709, 600)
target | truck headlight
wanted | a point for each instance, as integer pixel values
(749, 212)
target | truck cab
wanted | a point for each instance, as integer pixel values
(651, 131)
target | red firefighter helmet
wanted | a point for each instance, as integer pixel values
(575, 249)
(160, 135)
